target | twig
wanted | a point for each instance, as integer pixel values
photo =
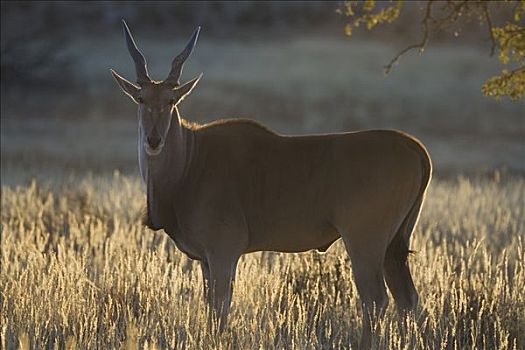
(514, 72)
(420, 46)
(452, 13)
(489, 24)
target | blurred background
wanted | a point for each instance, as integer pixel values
(288, 65)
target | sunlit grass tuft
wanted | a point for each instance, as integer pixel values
(79, 270)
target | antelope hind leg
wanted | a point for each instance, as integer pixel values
(367, 266)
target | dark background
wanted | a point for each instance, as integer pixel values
(286, 64)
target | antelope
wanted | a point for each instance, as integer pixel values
(233, 187)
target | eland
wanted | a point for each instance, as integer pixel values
(233, 187)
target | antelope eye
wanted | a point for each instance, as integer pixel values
(140, 100)
(172, 101)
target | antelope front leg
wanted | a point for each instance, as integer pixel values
(222, 270)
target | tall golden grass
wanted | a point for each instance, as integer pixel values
(80, 271)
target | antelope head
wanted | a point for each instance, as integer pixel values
(157, 100)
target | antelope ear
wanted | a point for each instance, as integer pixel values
(184, 90)
(129, 89)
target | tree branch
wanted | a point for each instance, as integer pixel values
(489, 24)
(420, 46)
(514, 72)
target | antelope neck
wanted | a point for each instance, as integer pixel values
(166, 175)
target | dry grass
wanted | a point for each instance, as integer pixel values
(80, 271)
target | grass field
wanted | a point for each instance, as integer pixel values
(79, 270)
